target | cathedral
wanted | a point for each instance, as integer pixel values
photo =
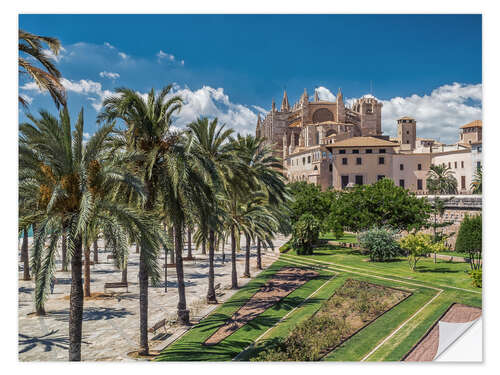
(337, 146)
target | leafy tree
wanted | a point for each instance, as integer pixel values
(470, 240)
(380, 244)
(305, 234)
(419, 245)
(441, 180)
(381, 204)
(308, 198)
(477, 182)
(438, 209)
(31, 49)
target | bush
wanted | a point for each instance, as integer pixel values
(305, 234)
(477, 278)
(469, 239)
(419, 245)
(380, 244)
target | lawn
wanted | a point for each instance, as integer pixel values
(434, 287)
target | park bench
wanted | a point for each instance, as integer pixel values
(160, 324)
(115, 285)
(111, 257)
(190, 258)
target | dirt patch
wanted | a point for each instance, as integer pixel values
(426, 349)
(354, 305)
(284, 282)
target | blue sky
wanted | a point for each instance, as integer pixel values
(231, 66)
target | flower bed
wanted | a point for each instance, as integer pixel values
(353, 306)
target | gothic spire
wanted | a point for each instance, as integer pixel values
(285, 107)
(273, 106)
(316, 97)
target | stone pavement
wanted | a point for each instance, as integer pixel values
(111, 325)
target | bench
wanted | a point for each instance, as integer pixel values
(111, 257)
(90, 263)
(160, 324)
(190, 258)
(220, 292)
(169, 265)
(115, 285)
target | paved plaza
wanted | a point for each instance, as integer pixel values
(111, 324)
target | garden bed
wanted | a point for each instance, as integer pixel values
(354, 305)
(284, 282)
(427, 348)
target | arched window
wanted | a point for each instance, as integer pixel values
(322, 115)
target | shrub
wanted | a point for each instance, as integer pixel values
(419, 245)
(469, 239)
(305, 234)
(380, 244)
(477, 278)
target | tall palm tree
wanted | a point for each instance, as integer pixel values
(214, 158)
(66, 173)
(31, 48)
(477, 182)
(441, 180)
(166, 172)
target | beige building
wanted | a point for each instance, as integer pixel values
(331, 145)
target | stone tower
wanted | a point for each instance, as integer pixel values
(285, 107)
(407, 133)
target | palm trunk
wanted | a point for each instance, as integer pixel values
(259, 257)
(247, 256)
(211, 298)
(204, 246)
(124, 272)
(143, 305)
(190, 251)
(96, 252)
(25, 258)
(171, 235)
(165, 250)
(76, 303)
(182, 312)
(137, 248)
(234, 276)
(64, 251)
(87, 272)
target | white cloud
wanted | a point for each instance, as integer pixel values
(51, 55)
(88, 88)
(124, 56)
(31, 86)
(109, 45)
(325, 94)
(109, 75)
(163, 55)
(438, 115)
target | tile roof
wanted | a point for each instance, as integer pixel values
(364, 142)
(472, 124)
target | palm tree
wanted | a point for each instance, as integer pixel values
(167, 172)
(215, 159)
(30, 47)
(441, 180)
(71, 179)
(477, 182)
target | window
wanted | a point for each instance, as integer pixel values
(462, 164)
(419, 184)
(358, 161)
(344, 161)
(309, 160)
(462, 182)
(419, 167)
(402, 183)
(341, 151)
(449, 164)
(303, 161)
(380, 177)
(330, 167)
(344, 181)
(315, 167)
(381, 151)
(401, 167)
(358, 180)
(381, 160)
(478, 165)
(355, 151)
(455, 165)
(407, 132)
(368, 150)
